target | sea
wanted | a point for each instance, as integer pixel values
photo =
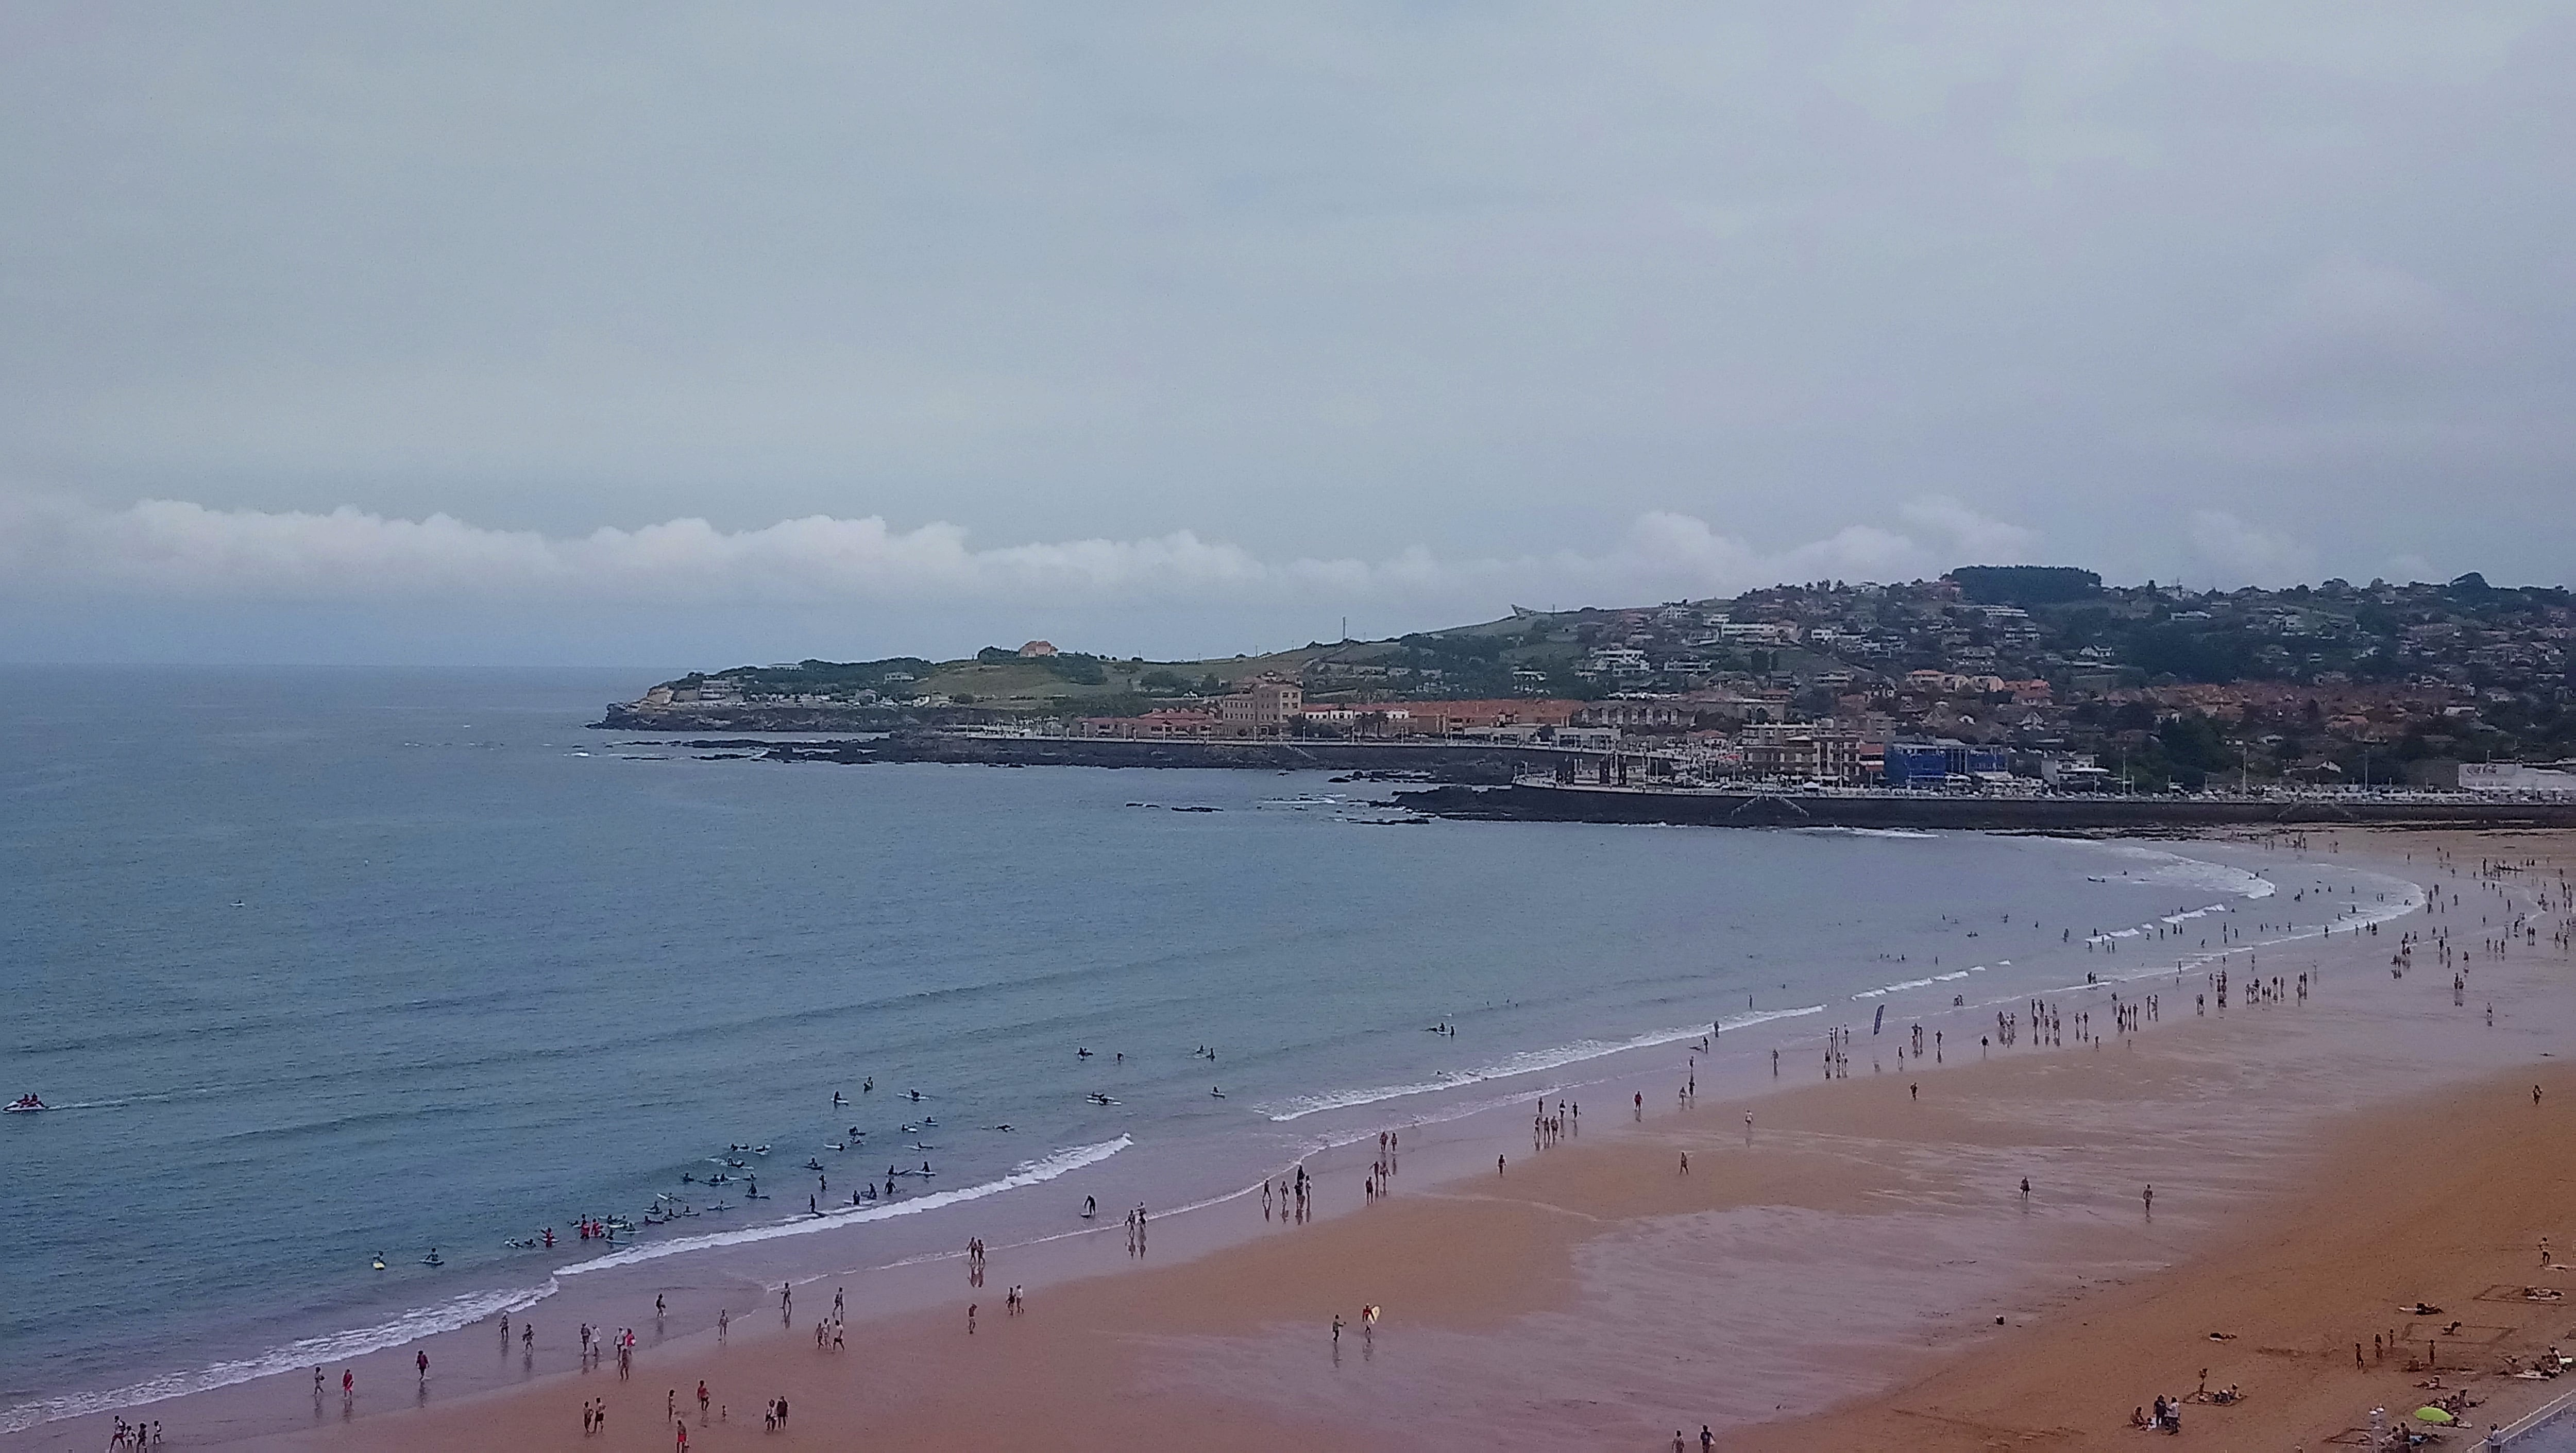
(328, 968)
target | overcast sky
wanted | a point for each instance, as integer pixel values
(695, 335)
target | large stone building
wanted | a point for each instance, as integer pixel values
(1263, 710)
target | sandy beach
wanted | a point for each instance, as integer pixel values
(1846, 1263)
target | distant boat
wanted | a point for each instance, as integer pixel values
(25, 1104)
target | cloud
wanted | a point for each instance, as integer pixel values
(1986, 541)
(56, 547)
(2247, 553)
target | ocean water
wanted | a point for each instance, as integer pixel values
(326, 965)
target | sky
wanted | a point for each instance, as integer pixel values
(562, 334)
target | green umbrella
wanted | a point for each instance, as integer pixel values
(2431, 1414)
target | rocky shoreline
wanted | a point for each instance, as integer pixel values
(1479, 781)
(1466, 763)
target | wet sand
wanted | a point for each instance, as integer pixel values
(1831, 1279)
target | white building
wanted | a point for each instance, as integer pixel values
(2516, 777)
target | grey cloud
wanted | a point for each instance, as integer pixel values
(1317, 279)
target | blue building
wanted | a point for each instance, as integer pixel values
(1934, 763)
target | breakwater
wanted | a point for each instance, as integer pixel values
(1467, 763)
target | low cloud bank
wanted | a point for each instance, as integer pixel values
(57, 548)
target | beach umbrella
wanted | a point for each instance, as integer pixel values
(2431, 1414)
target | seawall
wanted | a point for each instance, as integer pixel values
(1990, 814)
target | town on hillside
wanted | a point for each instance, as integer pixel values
(1988, 677)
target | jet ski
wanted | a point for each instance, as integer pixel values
(25, 1104)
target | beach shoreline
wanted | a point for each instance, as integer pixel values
(1175, 1315)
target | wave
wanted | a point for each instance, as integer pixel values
(1028, 1173)
(1520, 1064)
(1902, 984)
(2173, 870)
(471, 1307)
(419, 1322)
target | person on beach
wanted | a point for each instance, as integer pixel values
(1685, 1162)
(1498, 1165)
(702, 1400)
(1337, 1329)
(421, 1359)
(970, 1319)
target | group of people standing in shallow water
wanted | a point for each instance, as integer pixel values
(1296, 1197)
